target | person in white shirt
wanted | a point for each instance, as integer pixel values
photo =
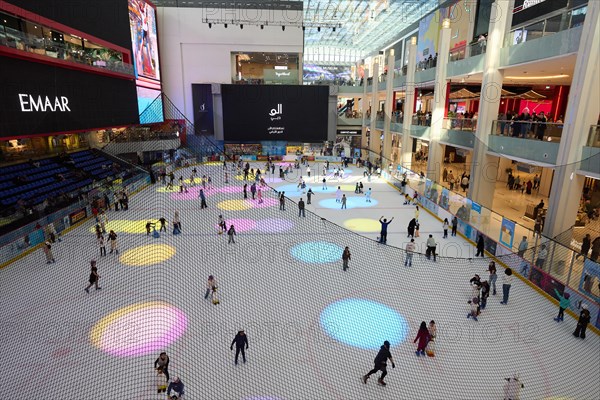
(507, 279)
(543, 253)
(410, 249)
(308, 171)
(211, 286)
(431, 245)
(338, 195)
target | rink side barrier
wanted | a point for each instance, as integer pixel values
(593, 325)
(25, 240)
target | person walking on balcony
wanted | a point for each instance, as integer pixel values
(586, 244)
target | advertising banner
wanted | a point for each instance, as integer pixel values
(38, 98)
(429, 33)
(445, 199)
(281, 77)
(589, 283)
(507, 232)
(203, 108)
(275, 112)
(142, 23)
(77, 216)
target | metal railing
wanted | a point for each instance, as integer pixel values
(527, 129)
(421, 120)
(103, 58)
(547, 26)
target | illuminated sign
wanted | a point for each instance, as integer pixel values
(31, 103)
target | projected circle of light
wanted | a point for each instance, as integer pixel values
(351, 202)
(363, 225)
(317, 252)
(332, 188)
(274, 225)
(214, 163)
(234, 205)
(363, 323)
(163, 189)
(125, 226)
(241, 225)
(251, 178)
(291, 190)
(148, 255)
(230, 189)
(261, 398)
(139, 329)
(267, 202)
(193, 192)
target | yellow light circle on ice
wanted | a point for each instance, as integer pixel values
(145, 256)
(233, 205)
(163, 189)
(196, 180)
(347, 188)
(124, 226)
(213, 163)
(241, 177)
(363, 225)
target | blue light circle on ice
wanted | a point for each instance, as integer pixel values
(317, 252)
(363, 323)
(291, 190)
(351, 202)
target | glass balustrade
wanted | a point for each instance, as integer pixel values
(557, 23)
(468, 50)
(460, 124)
(527, 129)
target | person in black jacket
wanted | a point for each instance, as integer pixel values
(480, 246)
(381, 364)
(584, 319)
(240, 341)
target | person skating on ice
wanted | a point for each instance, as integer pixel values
(384, 226)
(346, 257)
(309, 195)
(324, 184)
(112, 237)
(162, 364)
(493, 276)
(507, 279)
(221, 224)
(282, 201)
(564, 303)
(344, 199)
(47, 247)
(454, 226)
(368, 195)
(259, 195)
(211, 286)
(338, 195)
(241, 345)
(94, 277)
(410, 249)
(101, 245)
(445, 227)
(582, 323)
(381, 364)
(177, 387)
(202, 199)
(485, 293)
(253, 190)
(245, 190)
(480, 246)
(176, 222)
(423, 338)
(163, 224)
(231, 233)
(431, 246)
(411, 228)
(473, 307)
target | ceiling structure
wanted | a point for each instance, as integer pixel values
(336, 31)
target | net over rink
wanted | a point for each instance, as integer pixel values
(313, 329)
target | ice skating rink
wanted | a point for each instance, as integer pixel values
(313, 329)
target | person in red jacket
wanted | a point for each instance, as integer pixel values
(423, 338)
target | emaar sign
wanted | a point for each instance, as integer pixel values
(31, 103)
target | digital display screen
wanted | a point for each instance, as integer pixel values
(150, 105)
(144, 37)
(275, 112)
(39, 98)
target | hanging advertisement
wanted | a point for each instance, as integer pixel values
(142, 22)
(203, 108)
(507, 233)
(429, 33)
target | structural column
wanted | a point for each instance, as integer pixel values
(583, 109)
(409, 107)
(485, 167)
(389, 107)
(374, 108)
(436, 156)
(364, 109)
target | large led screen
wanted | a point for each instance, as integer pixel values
(142, 22)
(39, 98)
(275, 112)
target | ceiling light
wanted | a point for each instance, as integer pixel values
(547, 87)
(516, 78)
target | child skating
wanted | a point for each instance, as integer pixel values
(563, 305)
(423, 338)
(368, 195)
(381, 364)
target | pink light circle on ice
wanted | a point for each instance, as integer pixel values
(267, 202)
(231, 189)
(241, 225)
(261, 398)
(140, 329)
(274, 225)
(192, 193)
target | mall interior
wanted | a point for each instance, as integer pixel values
(487, 110)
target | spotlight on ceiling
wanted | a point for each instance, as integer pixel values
(209, 25)
(241, 26)
(283, 27)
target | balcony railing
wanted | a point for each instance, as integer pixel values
(557, 23)
(548, 131)
(594, 137)
(460, 124)
(421, 120)
(469, 50)
(62, 51)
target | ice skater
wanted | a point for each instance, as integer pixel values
(177, 387)
(103, 220)
(163, 224)
(582, 323)
(565, 302)
(410, 250)
(176, 222)
(454, 226)
(411, 228)
(282, 201)
(423, 338)
(245, 190)
(384, 226)
(94, 277)
(507, 279)
(231, 233)
(338, 195)
(202, 199)
(222, 225)
(324, 184)
(301, 208)
(211, 286)
(431, 246)
(162, 364)
(381, 364)
(253, 190)
(480, 246)
(309, 195)
(259, 195)
(367, 195)
(241, 344)
(102, 245)
(473, 306)
(445, 226)
(346, 257)
(344, 199)
(493, 276)
(112, 237)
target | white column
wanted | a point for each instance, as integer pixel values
(374, 108)
(365, 108)
(436, 155)
(583, 108)
(485, 167)
(409, 101)
(389, 105)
